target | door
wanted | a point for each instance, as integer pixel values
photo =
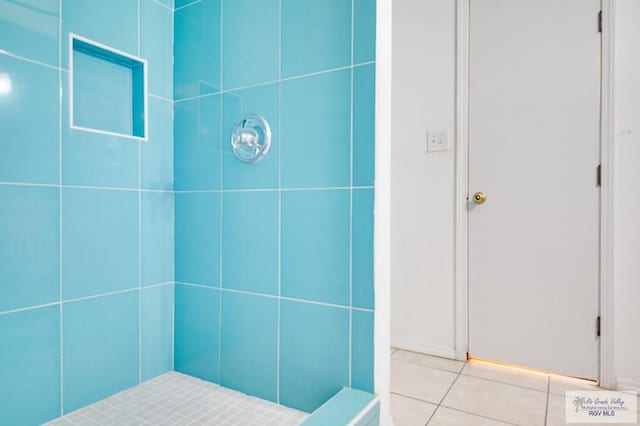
(534, 124)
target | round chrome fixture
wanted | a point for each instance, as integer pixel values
(251, 138)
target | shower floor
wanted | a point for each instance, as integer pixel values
(177, 399)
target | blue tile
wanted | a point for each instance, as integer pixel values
(168, 3)
(30, 30)
(249, 344)
(316, 131)
(156, 328)
(29, 247)
(93, 159)
(197, 144)
(316, 35)
(261, 100)
(197, 49)
(100, 348)
(157, 153)
(314, 353)
(364, 32)
(197, 328)
(113, 23)
(28, 152)
(250, 56)
(362, 248)
(102, 94)
(156, 46)
(315, 245)
(30, 366)
(100, 232)
(157, 237)
(364, 115)
(250, 241)
(198, 238)
(182, 3)
(362, 347)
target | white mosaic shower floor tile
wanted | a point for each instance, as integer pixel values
(177, 399)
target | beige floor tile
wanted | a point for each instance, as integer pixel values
(509, 375)
(555, 411)
(409, 412)
(499, 401)
(417, 381)
(559, 385)
(448, 417)
(428, 360)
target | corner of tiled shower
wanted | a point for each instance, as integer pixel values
(123, 263)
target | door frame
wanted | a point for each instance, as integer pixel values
(605, 376)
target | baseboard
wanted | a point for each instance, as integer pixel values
(425, 349)
(623, 384)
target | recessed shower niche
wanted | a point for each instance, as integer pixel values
(107, 90)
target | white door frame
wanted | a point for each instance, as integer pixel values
(382, 211)
(606, 196)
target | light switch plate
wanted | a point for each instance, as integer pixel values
(438, 141)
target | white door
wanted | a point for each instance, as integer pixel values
(534, 150)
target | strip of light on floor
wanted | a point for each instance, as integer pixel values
(526, 369)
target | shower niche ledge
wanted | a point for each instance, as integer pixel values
(107, 90)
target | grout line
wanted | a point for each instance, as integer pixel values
(79, 299)
(48, 185)
(280, 141)
(23, 58)
(546, 406)
(499, 382)
(415, 398)
(29, 308)
(140, 218)
(445, 394)
(432, 415)
(173, 197)
(328, 188)
(102, 188)
(427, 366)
(162, 5)
(221, 197)
(271, 296)
(351, 197)
(462, 411)
(112, 293)
(173, 328)
(60, 210)
(162, 98)
(267, 83)
(195, 191)
(450, 387)
(186, 5)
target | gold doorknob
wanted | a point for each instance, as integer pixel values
(479, 197)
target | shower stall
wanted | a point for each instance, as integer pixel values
(186, 231)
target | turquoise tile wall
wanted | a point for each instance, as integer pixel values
(197, 332)
(87, 223)
(274, 260)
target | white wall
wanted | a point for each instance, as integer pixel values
(422, 207)
(627, 195)
(422, 211)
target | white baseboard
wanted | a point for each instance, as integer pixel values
(624, 384)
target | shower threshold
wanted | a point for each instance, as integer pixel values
(177, 399)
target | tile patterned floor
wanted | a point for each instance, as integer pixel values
(177, 399)
(427, 390)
